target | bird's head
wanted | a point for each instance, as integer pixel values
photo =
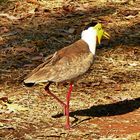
(100, 32)
(95, 29)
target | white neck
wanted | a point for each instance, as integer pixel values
(89, 36)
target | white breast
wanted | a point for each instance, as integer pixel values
(89, 36)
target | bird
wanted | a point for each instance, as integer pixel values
(68, 64)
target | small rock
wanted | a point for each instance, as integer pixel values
(71, 30)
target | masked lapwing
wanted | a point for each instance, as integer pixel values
(68, 63)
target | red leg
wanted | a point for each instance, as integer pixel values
(48, 91)
(67, 106)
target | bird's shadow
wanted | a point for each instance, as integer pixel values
(118, 108)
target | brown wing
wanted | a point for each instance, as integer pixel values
(66, 64)
(39, 72)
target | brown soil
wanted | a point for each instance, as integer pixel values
(105, 102)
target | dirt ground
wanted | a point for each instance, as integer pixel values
(105, 103)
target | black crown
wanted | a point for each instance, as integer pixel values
(92, 24)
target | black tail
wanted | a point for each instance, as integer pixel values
(29, 84)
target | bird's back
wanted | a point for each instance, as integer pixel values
(66, 64)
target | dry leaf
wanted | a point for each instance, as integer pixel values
(24, 49)
(15, 107)
(68, 8)
(29, 65)
(4, 98)
(37, 58)
(133, 64)
(33, 1)
(4, 30)
(1, 124)
(117, 87)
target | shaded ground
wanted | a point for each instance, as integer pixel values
(105, 103)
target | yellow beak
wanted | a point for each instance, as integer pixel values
(101, 32)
